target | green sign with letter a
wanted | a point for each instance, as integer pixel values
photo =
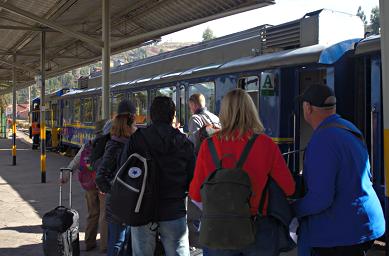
(267, 84)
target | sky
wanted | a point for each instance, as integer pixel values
(283, 11)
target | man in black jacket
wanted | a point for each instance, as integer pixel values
(176, 160)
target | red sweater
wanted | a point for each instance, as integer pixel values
(264, 158)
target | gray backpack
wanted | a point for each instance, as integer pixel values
(226, 222)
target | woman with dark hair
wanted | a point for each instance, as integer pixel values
(123, 126)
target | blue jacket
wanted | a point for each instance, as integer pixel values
(340, 207)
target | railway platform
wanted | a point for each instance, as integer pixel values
(24, 199)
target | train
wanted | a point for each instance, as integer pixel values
(274, 64)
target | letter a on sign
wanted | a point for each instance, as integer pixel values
(267, 84)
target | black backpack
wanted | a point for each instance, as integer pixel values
(226, 222)
(98, 148)
(134, 190)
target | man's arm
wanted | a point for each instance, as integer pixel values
(195, 123)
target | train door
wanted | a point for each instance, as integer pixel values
(304, 134)
(368, 114)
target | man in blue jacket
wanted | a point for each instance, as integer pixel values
(340, 213)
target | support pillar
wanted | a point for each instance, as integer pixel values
(14, 112)
(106, 53)
(43, 109)
(384, 22)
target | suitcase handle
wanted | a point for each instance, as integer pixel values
(70, 185)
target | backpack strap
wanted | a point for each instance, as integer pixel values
(263, 197)
(246, 151)
(337, 125)
(214, 155)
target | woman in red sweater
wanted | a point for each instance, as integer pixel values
(240, 120)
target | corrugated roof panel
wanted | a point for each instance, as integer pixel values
(134, 18)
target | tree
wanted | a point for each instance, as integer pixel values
(375, 20)
(208, 34)
(361, 15)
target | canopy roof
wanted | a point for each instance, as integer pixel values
(74, 29)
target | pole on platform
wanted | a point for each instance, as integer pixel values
(43, 109)
(106, 52)
(14, 112)
(384, 23)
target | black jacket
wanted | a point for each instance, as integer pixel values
(107, 170)
(175, 159)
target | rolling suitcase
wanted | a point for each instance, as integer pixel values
(60, 227)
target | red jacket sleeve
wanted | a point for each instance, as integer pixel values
(281, 173)
(199, 174)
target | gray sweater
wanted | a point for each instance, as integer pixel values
(198, 120)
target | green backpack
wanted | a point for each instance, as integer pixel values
(226, 222)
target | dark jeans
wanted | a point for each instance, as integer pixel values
(352, 250)
(117, 235)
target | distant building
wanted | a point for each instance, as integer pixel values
(21, 111)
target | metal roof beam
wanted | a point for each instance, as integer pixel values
(171, 29)
(19, 66)
(93, 41)
(33, 28)
(7, 53)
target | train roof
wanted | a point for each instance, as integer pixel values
(369, 45)
(318, 54)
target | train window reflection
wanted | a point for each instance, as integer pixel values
(251, 86)
(140, 101)
(67, 115)
(166, 91)
(76, 110)
(182, 106)
(208, 90)
(87, 112)
(115, 103)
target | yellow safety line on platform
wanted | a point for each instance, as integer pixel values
(386, 156)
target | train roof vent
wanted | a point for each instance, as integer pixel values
(281, 37)
(319, 27)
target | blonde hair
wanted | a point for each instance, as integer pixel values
(198, 99)
(120, 127)
(238, 114)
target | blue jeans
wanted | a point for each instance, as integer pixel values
(116, 239)
(265, 242)
(174, 237)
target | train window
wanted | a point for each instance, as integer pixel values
(166, 91)
(140, 101)
(251, 86)
(67, 114)
(208, 90)
(76, 110)
(99, 108)
(115, 103)
(87, 110)
(182, 109)
(54, 109)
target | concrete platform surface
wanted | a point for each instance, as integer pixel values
(24, 199)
